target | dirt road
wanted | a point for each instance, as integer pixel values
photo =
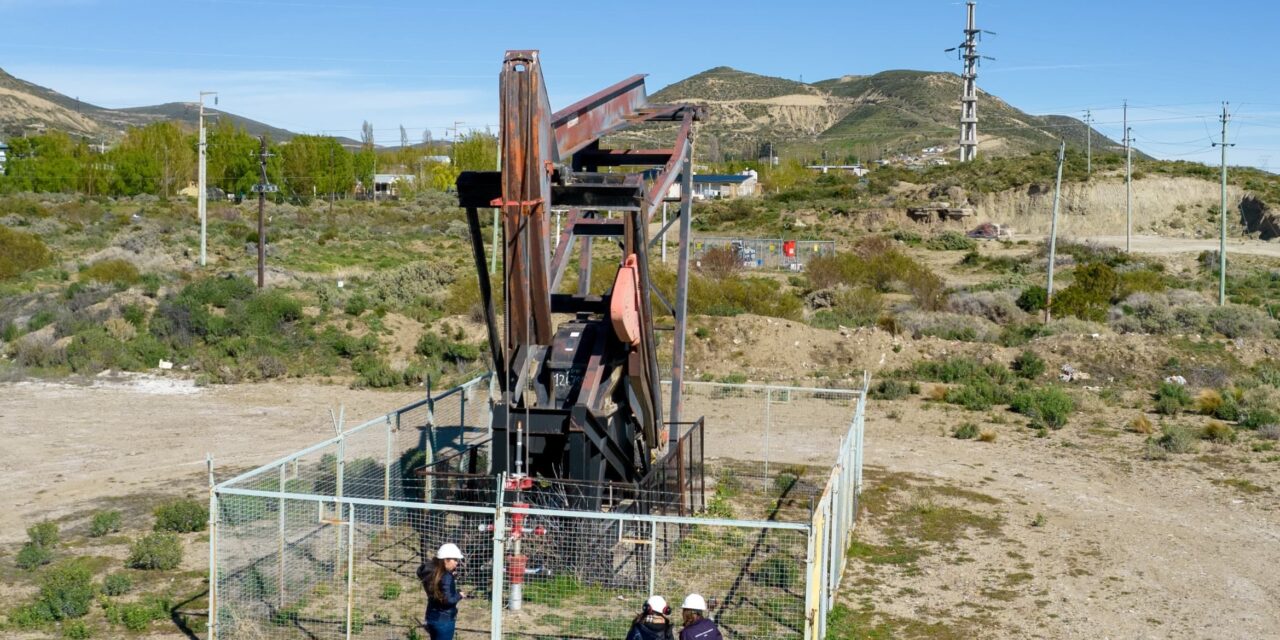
(1157, 244)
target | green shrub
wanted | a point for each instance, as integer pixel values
(1033, 299)
(1045, 406)
(182, 516)
(978, 395)
(1089, 296)
(950, 241)
(1177, 439)
(966, 431)
(435, 347)
(1219, 432)
(390, 590)
(1259, 417)
(893, 390)
(356, 305)
(375, 373)
(156, 551)
(1029, 365)
(850, 307)
(66, 591)
(1140, 281)
(137, 616)
(75, 630)
(117, 584)
(104, 522)
(1172, 398)
(962, 369)
(33, 555)
(116, 271)
(21, 252)
(43, 534)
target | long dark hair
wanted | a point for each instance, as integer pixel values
(433, 579)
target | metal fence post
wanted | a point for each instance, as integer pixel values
(386, 479)
(351, 567)
(768, 420)
(810, 613)
(337, 502)
(213, 551)
(281, 508)
(653, 553)
(495, 593)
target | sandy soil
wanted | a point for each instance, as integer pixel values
(1131, 548)
(1155, 244)
(68, 445)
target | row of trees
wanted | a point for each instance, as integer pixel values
(160, 159)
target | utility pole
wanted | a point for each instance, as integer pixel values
(968, 53)
(1088, 143)
(1053, 230)
(263, 188)
(1222, 240)
(1128, 189)
(203, 196)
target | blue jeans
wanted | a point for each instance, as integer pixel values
(440, 629)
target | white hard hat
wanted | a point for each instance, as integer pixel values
(695, 602)
(449, 551)
(657, 604)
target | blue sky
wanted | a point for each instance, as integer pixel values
(326, 65)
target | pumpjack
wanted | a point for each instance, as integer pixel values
(579, 395)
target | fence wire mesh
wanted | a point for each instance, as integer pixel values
(326, 542)
(766, 253)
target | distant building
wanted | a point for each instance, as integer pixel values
(4, 154)
(710, 186)
(438, 159)
(854, 169)
(387, 185)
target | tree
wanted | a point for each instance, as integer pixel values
(232, 158)
(50, 162)
(158, 158)
(404, 138)
(316, 165)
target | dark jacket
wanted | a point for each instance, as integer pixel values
(703, 629)
(651, 628)
(446, 609)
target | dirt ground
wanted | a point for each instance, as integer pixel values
(1126, 548)
(1155, 244)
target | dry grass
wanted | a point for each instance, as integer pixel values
(1208, 402)
(937, 393)
(1142, 424)
(987, 435)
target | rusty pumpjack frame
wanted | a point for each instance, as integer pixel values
(583, 399)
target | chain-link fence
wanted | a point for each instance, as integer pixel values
(766, 253)
(326, 542)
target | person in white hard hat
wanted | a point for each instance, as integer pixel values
(697, 626)
(654, 621)
(442, 591)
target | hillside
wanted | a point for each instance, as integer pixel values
(899, 111)
(30, 108)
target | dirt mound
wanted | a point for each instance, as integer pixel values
(1258, 217)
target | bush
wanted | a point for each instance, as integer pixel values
(156, 551)
(996, 306)
(117, 584)
(893, 390)
(44, 534)
(987, 435)
(182, 516)
(1046, 406)
(1033, 299)
(33, 555)
(978, 395)
(137, 616)
(116, 271)
(1028, 365)
(356, 305)
(1218, 432)
(1171, 398)
(950, 241)
(104, 522)
(966, 431)
(1142, 424)
(948, 326)
(390, 590)
(1177, 439)
(1208, 402)
(374, 372)
(1140, 280)
(856, 307)
(435, 347)
(1089, 296)
(962, 369)
(75, 630)
(720, 262)
(1257, 418)
(1235, 321)
(66, 591)
(21, 252)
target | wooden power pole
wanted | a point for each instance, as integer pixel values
(263, 188)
